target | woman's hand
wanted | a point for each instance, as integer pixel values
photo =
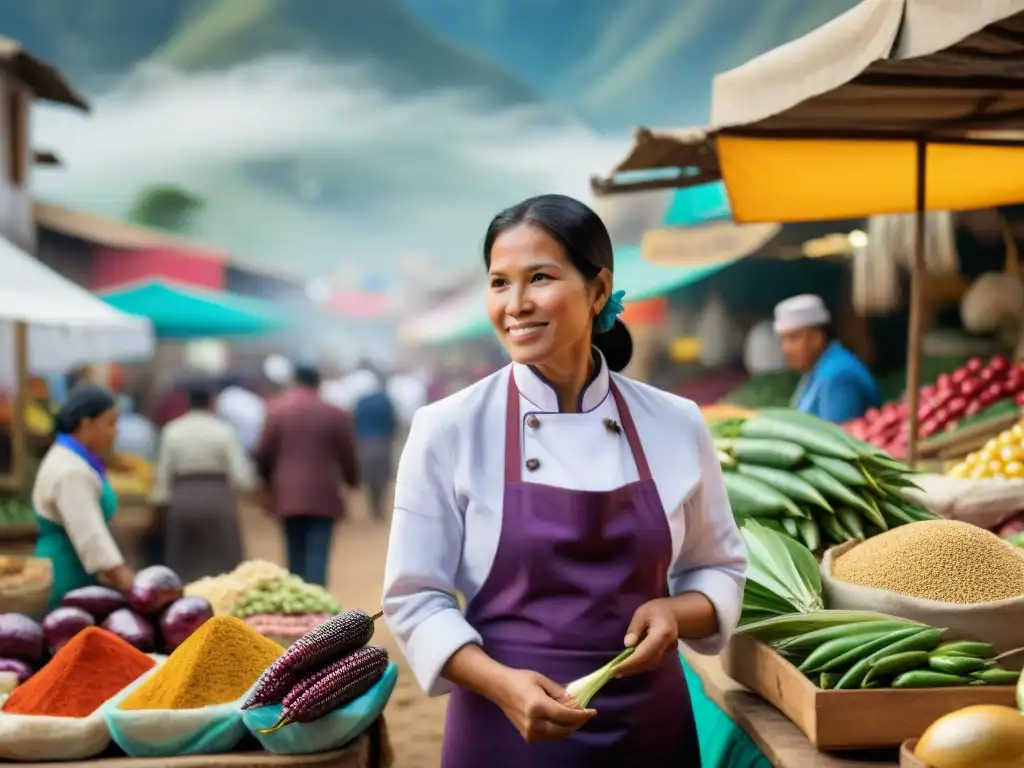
(653, 631)
(535, 706)
(119, 577)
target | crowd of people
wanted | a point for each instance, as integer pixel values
(287, 441)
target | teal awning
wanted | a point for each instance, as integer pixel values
(465, 318)
(642, 280)
(702, 204)
(180, 312)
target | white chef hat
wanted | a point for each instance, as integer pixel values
(803, 311)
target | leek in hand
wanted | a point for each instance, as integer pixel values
(581, 691)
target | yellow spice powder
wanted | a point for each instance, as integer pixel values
(217, 664)
(943, 560)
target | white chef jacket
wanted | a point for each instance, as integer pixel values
(450, 489)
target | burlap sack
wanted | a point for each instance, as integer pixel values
(1000, 623)
(984, 503)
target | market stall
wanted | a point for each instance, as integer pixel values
(907, 638)
(49, 324)
(271, 671)
(935, 151)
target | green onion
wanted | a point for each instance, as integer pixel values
(581, 691)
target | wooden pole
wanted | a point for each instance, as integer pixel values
(916, 321)
(19, 433)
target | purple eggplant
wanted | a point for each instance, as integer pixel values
(97, 601)
(182, 618)
(18, 667)
(61, 624)
(154, 589)
(21, 637)
(132, 628)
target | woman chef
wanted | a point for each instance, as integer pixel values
(575, 509)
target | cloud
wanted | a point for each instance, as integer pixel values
(314, 167)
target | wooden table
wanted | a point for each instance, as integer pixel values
(780, 741)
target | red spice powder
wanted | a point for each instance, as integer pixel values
(93, 666)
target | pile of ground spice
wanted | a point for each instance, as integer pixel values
(217, 664)
(91, 668)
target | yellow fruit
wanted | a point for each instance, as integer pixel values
(991, 445)
(995, 467)
(1010, 453)
(961, 470)
(985, 735)
(978, 473)
(1013, 469)
(1005, 438)
(1017, 431)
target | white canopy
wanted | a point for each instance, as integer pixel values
(68, 325)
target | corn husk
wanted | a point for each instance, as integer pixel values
(782, 574)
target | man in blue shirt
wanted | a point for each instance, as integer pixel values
(836, 385)
(375, 423)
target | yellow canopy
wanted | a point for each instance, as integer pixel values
(785, 180)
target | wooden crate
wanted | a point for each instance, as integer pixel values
(907, 757)
(838, 720)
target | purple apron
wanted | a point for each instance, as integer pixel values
(570, 570)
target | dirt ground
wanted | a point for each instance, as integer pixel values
(415, 721)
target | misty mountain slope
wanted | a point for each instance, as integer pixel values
(93, 39)
(402, 53)
(620, 64)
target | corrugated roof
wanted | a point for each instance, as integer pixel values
(45, 80)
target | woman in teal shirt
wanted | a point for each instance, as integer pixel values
(74, 502)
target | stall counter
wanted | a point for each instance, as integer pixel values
(781, 742)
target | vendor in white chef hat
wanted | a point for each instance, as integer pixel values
(836, 385)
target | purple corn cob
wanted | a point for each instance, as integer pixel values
(337, 636)
(347, 679)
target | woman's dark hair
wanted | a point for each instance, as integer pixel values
(86, 401)
(200, 396)
(587, 244)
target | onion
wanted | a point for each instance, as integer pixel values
(986, 735)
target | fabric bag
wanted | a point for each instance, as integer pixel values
(985, 503)
(998, 622)
(332, 731)
(169, 732)
(37, 738)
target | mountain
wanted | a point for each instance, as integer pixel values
(619, 64)
(103, 38)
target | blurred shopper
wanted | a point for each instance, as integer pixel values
(200, 467)
(305, 454)
(72, 499)
(135, 433)
(244, 410)
(376, 425)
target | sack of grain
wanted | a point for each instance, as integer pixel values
(986, 503)
(943, 573)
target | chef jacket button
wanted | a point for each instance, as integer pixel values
(532, 464)
(532, 422)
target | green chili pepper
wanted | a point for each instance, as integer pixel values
(888, 666)
(956, 665)
(996, 676)
(966, 648)
(828, 680)
(925, 678)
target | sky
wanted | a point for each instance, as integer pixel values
(420, 177)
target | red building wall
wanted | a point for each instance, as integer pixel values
(112, 268)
